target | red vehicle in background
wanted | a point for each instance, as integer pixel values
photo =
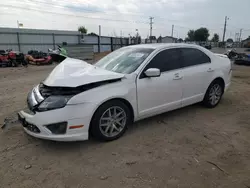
(10, 58)
(35, 57)
(40, 61)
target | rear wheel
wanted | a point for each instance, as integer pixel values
(214, 94)
(110, 121)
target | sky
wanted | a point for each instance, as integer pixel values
(125, 17)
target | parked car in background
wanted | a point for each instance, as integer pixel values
(206, 45)
(229, 45)
(78, 99)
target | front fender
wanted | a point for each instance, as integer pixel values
(124, 89)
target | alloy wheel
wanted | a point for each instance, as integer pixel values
(215, 94)
(112, 121)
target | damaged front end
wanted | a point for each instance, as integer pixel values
(44, 98)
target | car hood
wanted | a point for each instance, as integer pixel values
(74, 72)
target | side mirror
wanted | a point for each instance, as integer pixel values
(152, 72)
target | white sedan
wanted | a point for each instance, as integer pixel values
(78, 99)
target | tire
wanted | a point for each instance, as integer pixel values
(50, 62)
(210, 100)
(104, 128)
(14, 63)
(9, 64)
(25, 63)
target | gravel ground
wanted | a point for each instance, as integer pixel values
(190, 147)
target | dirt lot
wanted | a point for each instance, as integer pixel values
(174, 149)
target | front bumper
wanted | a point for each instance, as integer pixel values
(35, 123)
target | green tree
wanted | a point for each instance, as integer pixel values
(82, 29)
(139, 39)
(187, 39)
(190, 35)
(180, 40)
(201, 34)
(215, 38)
(230, 40)
(93, 34)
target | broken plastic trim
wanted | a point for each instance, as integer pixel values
(47, 91)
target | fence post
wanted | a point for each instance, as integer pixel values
(18, 41)
(99, 45)
(79, 39)
(54, 44)
(121, 42)
(112, 47)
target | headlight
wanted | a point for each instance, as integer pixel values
(53, 102)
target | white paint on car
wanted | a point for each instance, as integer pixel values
(147, 96)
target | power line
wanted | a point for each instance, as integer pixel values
(90, 10)
(63, 14)
(88, 17)
(75, 7)
(101, 11)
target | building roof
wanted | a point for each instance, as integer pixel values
(35, 31)
(152, 37)
(169, 37)
(247, 39)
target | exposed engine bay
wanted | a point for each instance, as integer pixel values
(47, 91)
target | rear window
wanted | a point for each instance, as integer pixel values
(192, 56)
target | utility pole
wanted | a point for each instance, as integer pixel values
(172, 34)
(236, 37)
(240, 35)
(100, 30)
(151, 27)
(225, 28)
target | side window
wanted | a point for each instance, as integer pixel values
(165, 61)
(192, 56)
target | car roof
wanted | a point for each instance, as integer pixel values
(164, 45)
(160, 46)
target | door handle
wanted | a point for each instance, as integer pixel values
(177, 76)
(210, 70)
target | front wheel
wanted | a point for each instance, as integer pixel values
(214, 94)
(110, 121)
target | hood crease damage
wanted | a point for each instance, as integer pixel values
(76, 73)
(47, 91)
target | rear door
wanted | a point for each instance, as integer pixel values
(197, 72)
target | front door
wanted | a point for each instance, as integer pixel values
(160, 94)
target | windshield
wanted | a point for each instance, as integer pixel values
(124, 60)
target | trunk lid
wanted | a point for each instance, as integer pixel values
(221, 55)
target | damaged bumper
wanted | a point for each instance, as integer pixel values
(41, 125)
(70, 123)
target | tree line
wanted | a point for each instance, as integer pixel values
(84, 30)
(202, 35)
